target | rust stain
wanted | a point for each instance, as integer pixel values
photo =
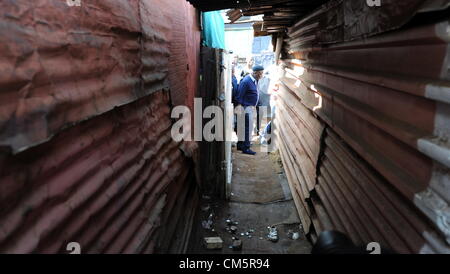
(61, 65)
(373, 97)
(86, 152)
(94, 183)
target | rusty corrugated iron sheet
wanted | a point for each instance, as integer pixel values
(346, 20)
(61, 65)
(384, 157)
(207, 5)
(102, 184)
(85, 128)
(234, 15)
(185, 53)
(278, 16)
(383, 215)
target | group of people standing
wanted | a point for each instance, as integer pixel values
(251, 93)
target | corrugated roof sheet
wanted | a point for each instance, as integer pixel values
(278, 14)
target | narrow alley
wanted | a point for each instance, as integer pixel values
(119, 122)
(260, 198)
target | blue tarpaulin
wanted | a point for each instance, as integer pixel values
(213, 30)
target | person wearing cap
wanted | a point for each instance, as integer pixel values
(248, 97)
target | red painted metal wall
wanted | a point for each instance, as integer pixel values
(85, 148)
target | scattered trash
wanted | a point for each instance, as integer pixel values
(206, 197)
(208, 223)
(237, 245)
(273, 234)
(293, 235)
(231, 226)
(213, 242)
(231, 222)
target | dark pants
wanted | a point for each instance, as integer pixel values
(258, 121)
(247, 143)
(244, 145)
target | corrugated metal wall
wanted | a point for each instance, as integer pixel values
(380, 169)
(185, 52)
(86, 152)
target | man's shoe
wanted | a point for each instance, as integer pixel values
(249, 152)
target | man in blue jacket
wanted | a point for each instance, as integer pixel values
(248, 97)
(235, 86)
(234, 95)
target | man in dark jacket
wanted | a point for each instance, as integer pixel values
(248, 97)
(234, 94)
(235, 86)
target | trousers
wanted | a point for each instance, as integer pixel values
(249, 126)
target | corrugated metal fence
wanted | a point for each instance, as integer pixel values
(364, 126)
(86, 151)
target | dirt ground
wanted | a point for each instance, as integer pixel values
(260, 198)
